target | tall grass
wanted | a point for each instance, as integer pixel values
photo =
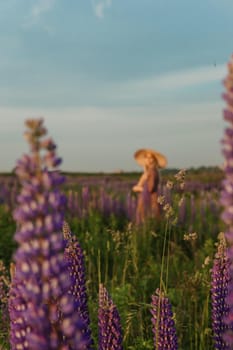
(132, 261)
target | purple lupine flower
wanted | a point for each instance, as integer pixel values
(74, 256)
(73, 207)
(110, 333)
(227, 187)
(220, 278)
(39, 291)
(17, 304)
(104, 202)
(192, 209)
(131, 205)
(163, 323)
(85, 197)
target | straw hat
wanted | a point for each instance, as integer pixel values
(140, 154)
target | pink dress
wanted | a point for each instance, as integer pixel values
(147, 205)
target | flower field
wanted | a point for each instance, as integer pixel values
(127, 259)
(77, 272)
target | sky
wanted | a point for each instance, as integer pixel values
(112, 76)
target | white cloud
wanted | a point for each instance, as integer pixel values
(180, 79)
(39, 8)
(190, 77)
(99, 7)
(194, 84)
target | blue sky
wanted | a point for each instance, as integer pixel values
(112, 76)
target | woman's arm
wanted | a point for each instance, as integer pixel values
(139, 186)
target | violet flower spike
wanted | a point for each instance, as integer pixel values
(41, 282)
(220, 278)
(74, 257)
(163, 323)
(226, 198)
(110, 333)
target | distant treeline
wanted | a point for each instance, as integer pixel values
(203, 174)
(206, 174)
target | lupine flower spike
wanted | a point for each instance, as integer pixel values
(220, 278)
(227, 187)
(76, 266)
(110, 333)
(163, 323)
(39, 290)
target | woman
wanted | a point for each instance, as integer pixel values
(147, 186)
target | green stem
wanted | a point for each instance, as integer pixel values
(98, 267)
(163, 256)
(168, 256)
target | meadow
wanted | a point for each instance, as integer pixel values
(132, 261)
(77, 271)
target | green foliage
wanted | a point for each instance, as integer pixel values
(7, 231)
(128, 260)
